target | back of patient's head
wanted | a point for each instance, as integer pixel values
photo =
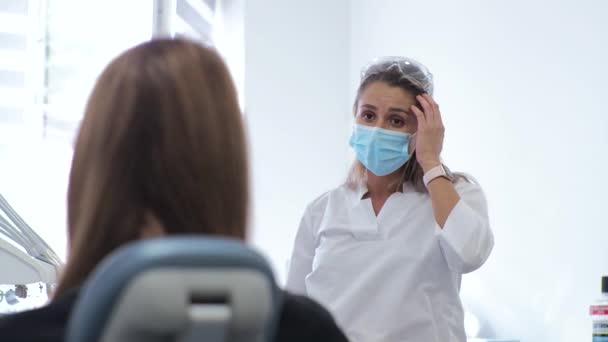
(161, 137)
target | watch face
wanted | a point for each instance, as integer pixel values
(447, 172)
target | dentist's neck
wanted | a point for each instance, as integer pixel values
(383, 186)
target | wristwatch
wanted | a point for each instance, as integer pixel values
(436, 172)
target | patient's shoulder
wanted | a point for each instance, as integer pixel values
(303, 319)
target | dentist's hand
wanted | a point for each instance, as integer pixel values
(429, 137)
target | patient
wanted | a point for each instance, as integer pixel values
(161, 151)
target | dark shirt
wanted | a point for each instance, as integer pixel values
(301, 319)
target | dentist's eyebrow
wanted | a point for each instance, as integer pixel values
(398, 110)
(368, 106)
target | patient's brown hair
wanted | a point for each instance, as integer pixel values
(162, 135)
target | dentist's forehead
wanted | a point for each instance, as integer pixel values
(380, 94)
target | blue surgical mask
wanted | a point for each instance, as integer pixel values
(381, 151)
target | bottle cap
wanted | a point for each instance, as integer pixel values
(605, 284)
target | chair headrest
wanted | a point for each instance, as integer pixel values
(177, 288)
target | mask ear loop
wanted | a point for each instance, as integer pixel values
(411, 148)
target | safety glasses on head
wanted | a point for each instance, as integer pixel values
(409, 69)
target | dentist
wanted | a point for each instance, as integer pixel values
(386, 250)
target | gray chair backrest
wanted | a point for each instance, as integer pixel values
(178, 289)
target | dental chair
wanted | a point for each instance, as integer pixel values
(178, 289)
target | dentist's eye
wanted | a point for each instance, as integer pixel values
(368, 116)
(397, 122)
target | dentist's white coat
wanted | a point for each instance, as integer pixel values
(395, 277)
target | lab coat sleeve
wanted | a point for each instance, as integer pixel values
(466, 239)
(300, 264)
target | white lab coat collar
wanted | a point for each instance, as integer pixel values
(361, 190)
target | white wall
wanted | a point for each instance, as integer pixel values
(521, 85)
(298, 112)
(229, 38)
